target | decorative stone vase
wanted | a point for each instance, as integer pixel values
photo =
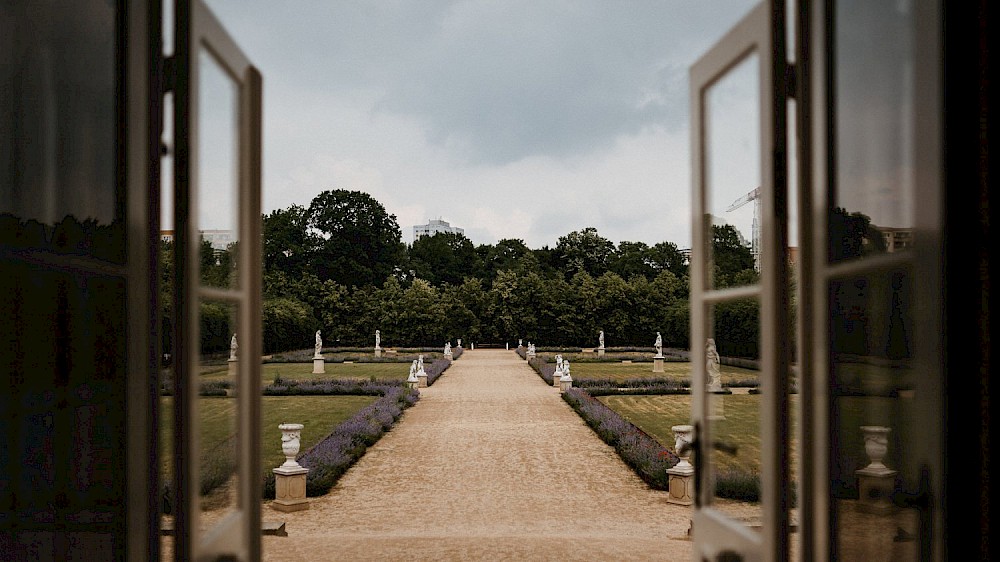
(683, 435)
(290, 440)
(876, 446)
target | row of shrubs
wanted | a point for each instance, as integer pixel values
(329, 459)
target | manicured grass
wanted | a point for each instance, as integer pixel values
(741, 426)
(217, 415)
(679, 371)
(303, 371)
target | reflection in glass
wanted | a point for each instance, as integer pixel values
(58, 177)
(873, 418)
(218, 188)
(733, 400)
(732, 175)
(874, 129)
(217, 406)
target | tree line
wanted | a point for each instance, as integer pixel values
(340, 265)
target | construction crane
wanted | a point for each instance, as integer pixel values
(754, 196)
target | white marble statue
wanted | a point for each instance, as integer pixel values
(659, 345)
(565, 371)
(600, 339)
(413, 372)
(233, 346)
(319, 343)
(420, 364)
(712, 361)
(378, 339)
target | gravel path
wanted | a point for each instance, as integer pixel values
(490, 464)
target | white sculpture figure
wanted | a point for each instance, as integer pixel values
(319, 344)
(447, 348)
(565, 371)
(600, 338)
(413, 372)
(659, 345)
(233, 346)
(420, 364)
(378, 339)
(559, 363)
(712, 366)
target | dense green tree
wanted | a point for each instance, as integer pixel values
(665, 256)
(287, 245)
(633, 258)
(357, 242)
(584, 250)
(444, 257)
(508, 254)
(729, 253)
(288, 324)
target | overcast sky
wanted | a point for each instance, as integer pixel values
(510, 119)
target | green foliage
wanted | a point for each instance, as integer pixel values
(443, 258)
(288, 324)
(356, 242)
(584, 251)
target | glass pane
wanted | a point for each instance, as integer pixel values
(873, 423)
(218, 188)
(217, 408)
(733, 410)
(732, 174)
(872, 203)
(58, 151)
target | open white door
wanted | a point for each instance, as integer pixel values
(738, 148)
(217, 124)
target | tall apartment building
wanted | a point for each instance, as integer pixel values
(433, 227)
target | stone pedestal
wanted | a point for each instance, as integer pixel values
(680, 477)
(319, 366)
(680, 485)
(449, 355)
(658, 364)
(875, 488)
(412, 384)
(565, 385)
(233, 367)
(290, 489)
(378, 352)
(600, 352)
(876, 482)
(422, 381)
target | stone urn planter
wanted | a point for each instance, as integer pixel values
(876, 446)
(291, 434)
(682, 445)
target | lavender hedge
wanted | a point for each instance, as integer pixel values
(348, 441)
(456, 352)
(645, 455)
(544, 370)
(522, 352)
(435, 369)
(634, 383)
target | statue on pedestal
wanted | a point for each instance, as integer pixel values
(712, 366)
(233, 346)
(319, 344)
(378, 339)
(600, 339)
(659, 345)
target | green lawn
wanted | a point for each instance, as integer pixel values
(319, 415)
(303, 371)
(672, 370)
(741, 426)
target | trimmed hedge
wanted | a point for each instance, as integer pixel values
(544, 370)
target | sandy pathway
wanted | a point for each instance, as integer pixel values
(490, 464)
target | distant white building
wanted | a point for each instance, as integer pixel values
(219, 239)
(433, 227)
